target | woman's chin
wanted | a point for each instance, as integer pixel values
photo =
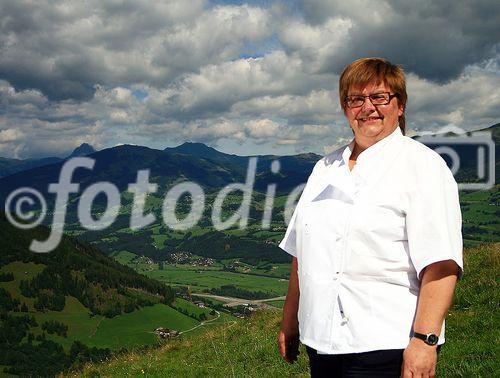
(371, 129)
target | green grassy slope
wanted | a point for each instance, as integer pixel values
(244, 348)
(248, 347)
(473, 336)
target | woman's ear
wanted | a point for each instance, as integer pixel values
(401, 110)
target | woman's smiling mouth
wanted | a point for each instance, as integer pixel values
(369, 119)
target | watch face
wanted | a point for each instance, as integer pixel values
(432, 339)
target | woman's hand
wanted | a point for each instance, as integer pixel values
(419, 360)
(288, 343)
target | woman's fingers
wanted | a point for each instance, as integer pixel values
(282, 344)
(288, 347)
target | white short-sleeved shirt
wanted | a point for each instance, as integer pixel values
(363, 237)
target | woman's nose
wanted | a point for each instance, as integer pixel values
(367, 105)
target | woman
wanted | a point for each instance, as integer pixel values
(376, 242)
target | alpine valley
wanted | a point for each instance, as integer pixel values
(102, 293)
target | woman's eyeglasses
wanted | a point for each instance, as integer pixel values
(382, 98)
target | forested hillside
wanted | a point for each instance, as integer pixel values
(50, 302)
(97, 281)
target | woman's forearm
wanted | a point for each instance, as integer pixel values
(436, 294)
(291, 306)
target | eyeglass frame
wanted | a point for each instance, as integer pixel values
(391, 96)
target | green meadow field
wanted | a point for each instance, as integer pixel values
(205, 279)
(266, 277)
(136, 329)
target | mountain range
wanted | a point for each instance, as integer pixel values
(11, 166)
(206, 166)
(289, 164)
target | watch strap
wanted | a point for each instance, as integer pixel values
(429, 339)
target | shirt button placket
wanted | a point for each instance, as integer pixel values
(343, 242)
(339, 240)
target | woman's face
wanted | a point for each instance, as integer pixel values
(369, 122)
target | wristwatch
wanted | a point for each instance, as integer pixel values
(429, 339)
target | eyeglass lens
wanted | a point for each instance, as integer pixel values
(375, 98)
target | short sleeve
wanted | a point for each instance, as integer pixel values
(433, 219)
(289, 242)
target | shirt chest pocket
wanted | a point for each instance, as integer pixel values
(321, 227)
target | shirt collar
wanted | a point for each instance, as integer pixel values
(369, 153)
(374, 163)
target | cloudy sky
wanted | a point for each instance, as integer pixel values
(245, 77)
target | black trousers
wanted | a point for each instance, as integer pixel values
(375, 364)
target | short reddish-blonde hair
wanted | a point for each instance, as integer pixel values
(378, 70)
